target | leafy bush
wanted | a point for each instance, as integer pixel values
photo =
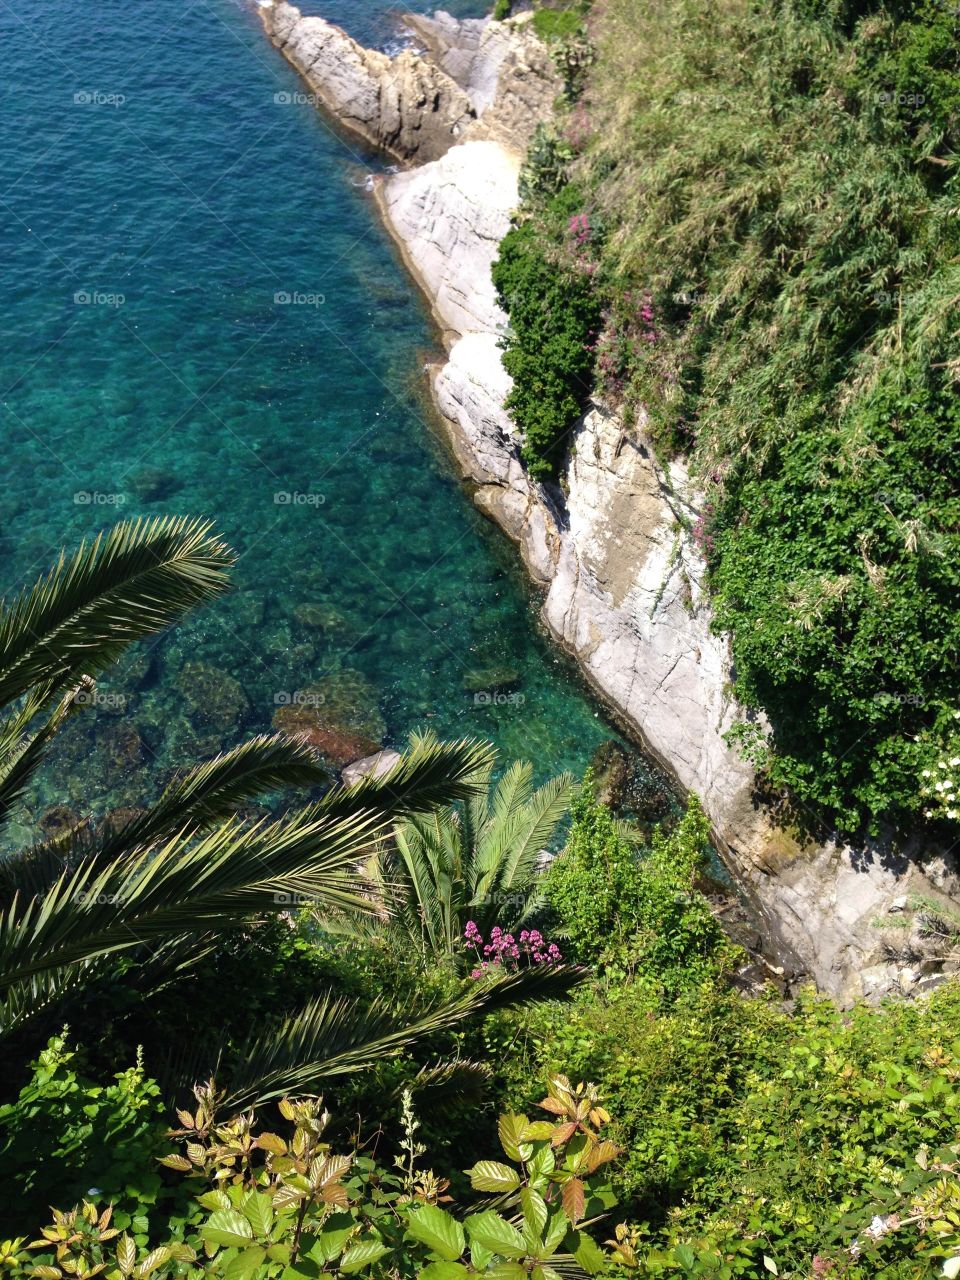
(637, 910)
(65, 1135)
(545, 168)
(558, 23)
(543, 282)
(750, 1131)
(268, 1206)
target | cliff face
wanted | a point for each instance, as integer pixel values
(623, 580)
(405, 105)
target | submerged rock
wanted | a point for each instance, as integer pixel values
(121, 746)
(338, 714)
(490, 678)
(117, 819)
(58, 821)
(212, 695)
(612, 771)
(151, 484)
(335, 743)
(374, 766)
(319, 617)
(349, 700)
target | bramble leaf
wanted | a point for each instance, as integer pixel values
(496, 1234)
(436, 1229)
(490, 1175)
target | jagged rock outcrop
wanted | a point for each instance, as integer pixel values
(623, 578)
(406, 105)
(506, 72)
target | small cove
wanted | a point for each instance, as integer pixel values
(203, 315)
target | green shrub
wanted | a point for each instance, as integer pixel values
(781, 295)
(750, 1131)
(268, 1205)
(543, 283)
(66, 1135)
(637, 910)
(558, 24)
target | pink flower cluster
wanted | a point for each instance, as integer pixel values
(647, 318)
(504, 950)
(579, 228)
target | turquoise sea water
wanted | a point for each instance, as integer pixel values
(162, 189)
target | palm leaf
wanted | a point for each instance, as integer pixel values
(22, 751)
(430, 773)
(331, 1038)
(104, 904)
(124, 585)
(212, 791)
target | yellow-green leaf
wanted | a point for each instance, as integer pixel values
(227, 1227)
(491, 1175)
(496, 1234)
(245, 1263)
(126, 1254)
(362, 1254)
(510, 1128)
(444, 1271)
(441, 1233)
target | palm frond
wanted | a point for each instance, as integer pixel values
(48, 994)
(21, 750)
(449, 1083)
(430, 773)
(211, 882)
(212, 791)
(127, 583)
(331, 1038)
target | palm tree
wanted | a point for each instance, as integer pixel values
(161, 886)
(475, 860)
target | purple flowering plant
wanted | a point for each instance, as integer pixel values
(506, 951)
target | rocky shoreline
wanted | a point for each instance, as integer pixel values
(623, 579)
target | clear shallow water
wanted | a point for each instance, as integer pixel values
(163, 190)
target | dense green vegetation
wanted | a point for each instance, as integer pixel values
(553, 312)
(763, 208)
(723, 1135)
